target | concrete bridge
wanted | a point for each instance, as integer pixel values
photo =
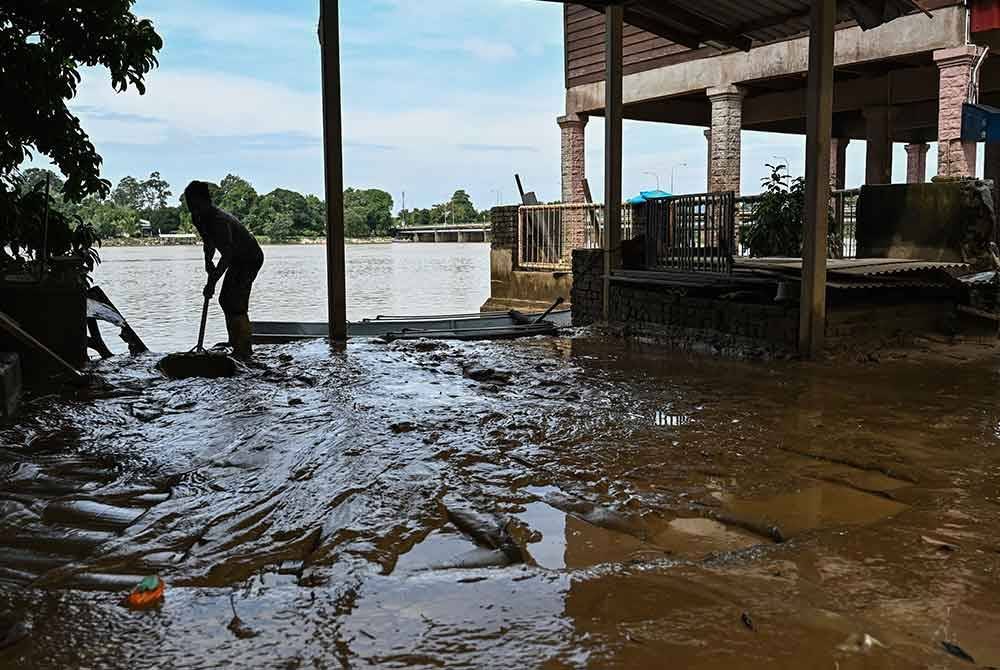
(466, 232)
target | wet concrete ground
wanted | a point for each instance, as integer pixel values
(558, 503)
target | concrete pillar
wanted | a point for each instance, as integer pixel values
(708, 161)
(955, 157)
(878, 157)
(573, 127)
(838, 162)
(991, 170)
(614, 31)
(916, 162)
(724, 139)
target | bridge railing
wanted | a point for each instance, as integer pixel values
(547, 234)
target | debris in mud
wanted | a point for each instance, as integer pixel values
(236, 626)
(747, 621)
(484, 375)
(402, 427)
(207, 364)
(486, 530)
(940, 545)
(860, 643)
(147, 593)
(292, 402)
(956, 651)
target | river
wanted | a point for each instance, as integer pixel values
(159, 288)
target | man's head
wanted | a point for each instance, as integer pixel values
(198, 197)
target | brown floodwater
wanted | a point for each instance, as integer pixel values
(600, 506)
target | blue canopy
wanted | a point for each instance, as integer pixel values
(646, 195)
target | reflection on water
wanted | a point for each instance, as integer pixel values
(159, 288)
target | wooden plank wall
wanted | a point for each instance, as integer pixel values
(584, 45)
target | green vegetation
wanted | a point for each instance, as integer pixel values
(280, 215)
(42, 48)
(778, 217)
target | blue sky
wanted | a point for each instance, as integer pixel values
(437, 94)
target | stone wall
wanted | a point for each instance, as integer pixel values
(503, 227)
(682, 318)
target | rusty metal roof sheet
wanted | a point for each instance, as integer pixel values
(859, 267)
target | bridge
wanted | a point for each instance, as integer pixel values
(466, 232)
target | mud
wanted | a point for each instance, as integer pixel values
(583, 505)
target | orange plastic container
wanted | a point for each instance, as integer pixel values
(147, 593)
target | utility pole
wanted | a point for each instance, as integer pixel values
(403, 211)
(673, 171)
(657, 178)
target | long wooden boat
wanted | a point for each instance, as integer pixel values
(477, 326)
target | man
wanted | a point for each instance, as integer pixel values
(240, 259)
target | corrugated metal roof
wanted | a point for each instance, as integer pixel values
(857, 267)
(738, 22)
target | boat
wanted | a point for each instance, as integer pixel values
(477, 326)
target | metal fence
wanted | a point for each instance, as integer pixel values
(547, 234)
(694, 233)
(843, 221)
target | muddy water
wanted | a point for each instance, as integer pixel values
(605, 508)
(400, 278)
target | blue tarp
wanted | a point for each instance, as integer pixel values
(646, 195)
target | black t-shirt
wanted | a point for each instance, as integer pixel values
(223, 231)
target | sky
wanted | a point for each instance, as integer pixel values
(437, 95)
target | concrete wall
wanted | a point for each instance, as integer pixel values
(948, 220)
(511, 288)
(55, 315)
(682, 319)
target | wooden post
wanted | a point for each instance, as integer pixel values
(819, 124)
(333, 154)
(614, 28)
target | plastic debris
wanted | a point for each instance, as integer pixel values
(147, 593)
(957, 651)
(860, 643)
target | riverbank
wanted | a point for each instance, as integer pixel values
(190, 241)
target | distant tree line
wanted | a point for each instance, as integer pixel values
(279, 215)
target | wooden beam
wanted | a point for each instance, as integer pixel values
(333, 161)
(819, 126)
(614, 21)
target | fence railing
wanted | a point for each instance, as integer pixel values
(843, 224)
(694, 233)
(547, 234)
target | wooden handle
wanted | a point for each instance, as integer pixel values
(201, 331)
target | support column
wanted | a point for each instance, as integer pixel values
(724, 138)
(573, 128)
(878, 156)
(955, 157)
(708, 161)
(614, 30)
(838, 162)
(916, 162)
(333, 162)
(819, 125)
(991, 170)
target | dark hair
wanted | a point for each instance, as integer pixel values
(197, 190)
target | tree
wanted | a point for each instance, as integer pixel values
(462, 209)
(165, 219)
(38, 176)
(108, 218)
(128, 193)
(236, 196)
(42, 46)
(155, 192)
(373, 206)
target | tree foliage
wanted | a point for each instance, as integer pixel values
(43, 43)
(367, 212)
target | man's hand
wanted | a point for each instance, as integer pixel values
(209, 287)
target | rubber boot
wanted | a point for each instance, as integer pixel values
(239, 337)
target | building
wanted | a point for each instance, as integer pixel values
(903, 82)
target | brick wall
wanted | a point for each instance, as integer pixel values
(503, 225)
(685, 320)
